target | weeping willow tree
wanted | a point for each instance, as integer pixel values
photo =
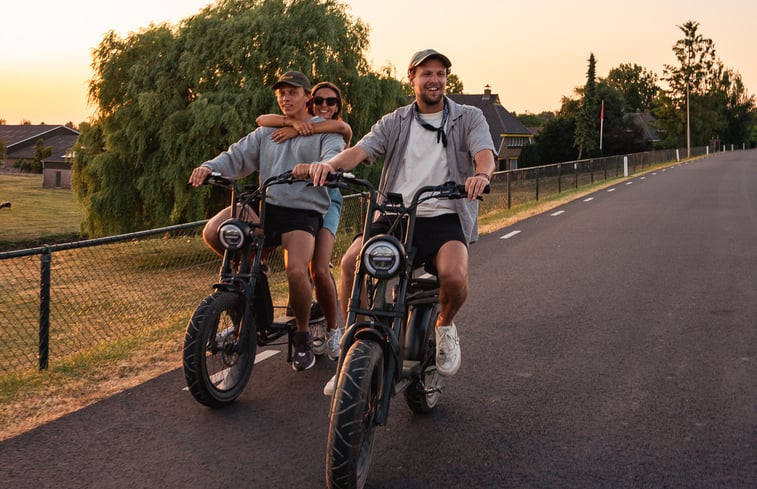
(172, 96)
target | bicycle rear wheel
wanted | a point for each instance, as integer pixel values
(424, 393)
(217, 366)
(349, 448)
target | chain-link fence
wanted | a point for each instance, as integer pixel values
(64, 300)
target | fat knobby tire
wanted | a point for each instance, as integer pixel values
(216, 371)
(351, 428)
(418, 399)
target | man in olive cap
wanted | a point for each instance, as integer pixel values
(294, 212)
(428, 142)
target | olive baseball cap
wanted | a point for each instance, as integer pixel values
(293, 78)
(422, 56)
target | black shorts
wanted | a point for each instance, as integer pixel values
(280, 220)
(430, 234)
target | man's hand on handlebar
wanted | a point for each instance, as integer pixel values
(199, 175)
(475, 186)
(318, 173)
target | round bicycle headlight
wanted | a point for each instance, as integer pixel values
(382, 256)
(231, 235)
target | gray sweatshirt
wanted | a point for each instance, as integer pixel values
(257, 152)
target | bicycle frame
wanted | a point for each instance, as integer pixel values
(242, 269)
(387, 321)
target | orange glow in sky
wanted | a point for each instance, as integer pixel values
(530, 53)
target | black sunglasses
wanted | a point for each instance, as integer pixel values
(330, 101)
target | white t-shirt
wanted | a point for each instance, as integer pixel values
(425, 163)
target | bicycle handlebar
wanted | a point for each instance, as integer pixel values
(340, 179)
(448, 190)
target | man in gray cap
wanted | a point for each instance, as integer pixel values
(428, 142)
(294, 212)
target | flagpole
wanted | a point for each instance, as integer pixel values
(601, 124)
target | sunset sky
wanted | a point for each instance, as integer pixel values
(531, 53)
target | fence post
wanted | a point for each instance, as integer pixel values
(575, 168)
(509, 195)
(559, 179)
(44, 308)
(678, 156)
(537, 183)
(625, 166)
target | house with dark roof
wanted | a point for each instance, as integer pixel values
(647, 124)
(508, 133)
(20, 142)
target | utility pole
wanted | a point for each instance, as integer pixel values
(688, 122)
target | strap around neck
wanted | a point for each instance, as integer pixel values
(440, 134)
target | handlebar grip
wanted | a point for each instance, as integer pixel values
(216, 178)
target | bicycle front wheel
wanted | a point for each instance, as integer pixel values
(349, 447)
(217, 366)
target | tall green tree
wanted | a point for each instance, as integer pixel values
(719, 107)
(637, 85)
(172, 96)
(738, 107)
(689, 84)
(586, 137)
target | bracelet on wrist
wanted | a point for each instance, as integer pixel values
(481, 174)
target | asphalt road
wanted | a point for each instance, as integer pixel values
(611, 342)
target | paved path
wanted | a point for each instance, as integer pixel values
(611, 342)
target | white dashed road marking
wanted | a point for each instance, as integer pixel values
(265, 355)
(589, 199)
(509, 235)
(611, 190)
(557, 213)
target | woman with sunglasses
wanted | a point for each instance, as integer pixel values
(325, 102)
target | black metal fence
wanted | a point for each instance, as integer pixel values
(64, 300)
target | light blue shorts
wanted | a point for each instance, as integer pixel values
(331, 219)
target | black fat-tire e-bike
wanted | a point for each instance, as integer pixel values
(227, 326)
(389, 344)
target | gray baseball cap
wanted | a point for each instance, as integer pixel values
(293, 78)
(422, 56)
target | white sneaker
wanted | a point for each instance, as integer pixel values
(330, 387)
(333, 337)
(447, 350)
